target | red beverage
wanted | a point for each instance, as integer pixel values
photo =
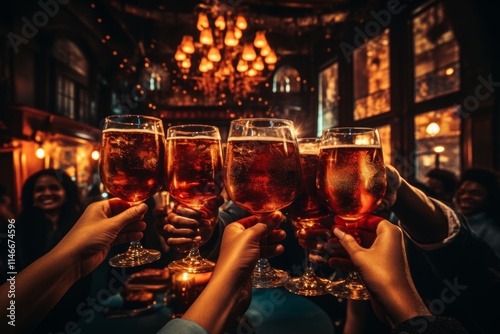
(262, 173)
(351, 179)
(308, 209)
(132, 163)
(194, 169)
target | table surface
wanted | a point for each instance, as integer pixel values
(272, 311)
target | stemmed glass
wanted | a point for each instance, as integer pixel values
(262, 176)
(308, 212)
(194, 176)
(352, 181)
(131, 166)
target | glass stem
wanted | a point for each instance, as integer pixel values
(262, 266)
(134, 249)
(309, 270)
(194, 254)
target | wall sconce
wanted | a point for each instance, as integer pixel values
(95, 155)
(40, 152)
(432, 129)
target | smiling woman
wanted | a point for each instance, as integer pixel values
(50, 207)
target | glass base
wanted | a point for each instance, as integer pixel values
(134, 257)
(192, 265)
(348, 290)
(307, 286)
(272, 278)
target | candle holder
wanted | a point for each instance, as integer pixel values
(186, 288)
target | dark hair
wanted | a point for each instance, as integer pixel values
(485, 177)
(447, 178)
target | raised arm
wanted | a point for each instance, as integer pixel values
(43, 283)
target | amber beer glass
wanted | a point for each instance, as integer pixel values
(262, 176)
(352, 181)
(308, 212)
(131, 167)
(194, 176)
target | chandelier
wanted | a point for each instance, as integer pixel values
(223, 60)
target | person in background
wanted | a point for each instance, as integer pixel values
(443, 183)
(50, 206)
(476, 197)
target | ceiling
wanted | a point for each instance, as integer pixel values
(292, 26)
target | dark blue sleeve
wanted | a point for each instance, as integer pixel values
(464, 277)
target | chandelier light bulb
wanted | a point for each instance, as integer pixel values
(248, 53)
(230, 39)
(203, 65)
(206, 37)
(265, 51)
(179, 55)
(258, 64)
(241, 22)
(210, 65)
(238, 33)
(220, 23)
(186, 63)
(214, 54)
(202, 22)
(242, 66)
(252, 72)
(187, 44)
(260, 39)
(271, 58)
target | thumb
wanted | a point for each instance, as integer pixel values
(347, 241)
(131, 215)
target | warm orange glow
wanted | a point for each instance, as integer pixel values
(214, 54)
(450, 71)
(202, 22)
(248, 53)
(265, 51)
(206, 37)
(186, 63)
(230, 39)
(271, 58)
(241, 22)
(40, 153)
(238, 33)
(187, 44)
(258, 64)
(95, 155)
(220, 23)
(260, 39)
(242, 66)
(179, 55)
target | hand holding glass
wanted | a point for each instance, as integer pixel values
(131, 166)
(352, 181)
(308, 212)
(194, 174)
(262, 176)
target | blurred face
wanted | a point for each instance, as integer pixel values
(49, 194)
(471, 198)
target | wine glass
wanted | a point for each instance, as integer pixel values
(308, 212)
(131, 166)
(352, 181)
(262, 176)
(194, 176)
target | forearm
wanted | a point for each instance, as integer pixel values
(212, 310)
(37, 289)
(420, 217)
